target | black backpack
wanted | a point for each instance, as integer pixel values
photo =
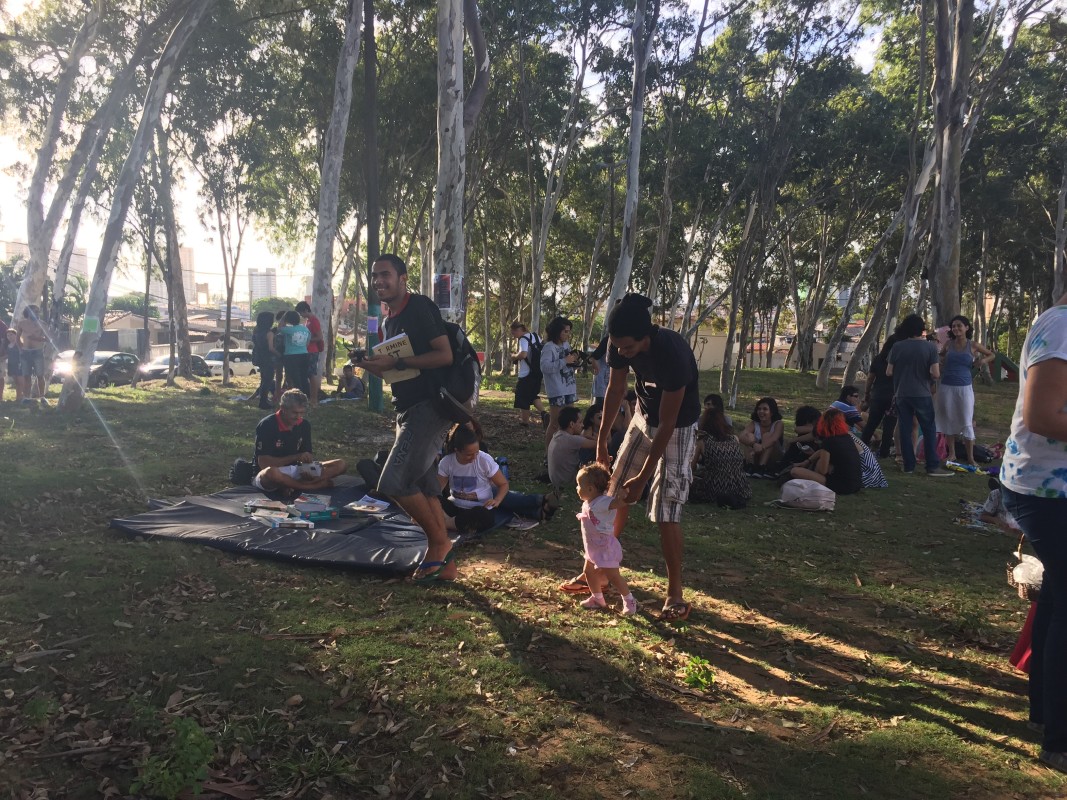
(458, 383)
(533, 356)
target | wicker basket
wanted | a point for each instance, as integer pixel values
(1027, 590)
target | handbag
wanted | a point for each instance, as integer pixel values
(1025, 573)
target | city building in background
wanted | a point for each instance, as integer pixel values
(261, 284)
(18, 252)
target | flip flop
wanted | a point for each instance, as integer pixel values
(435, 576)
(577, 586)
(675, 612)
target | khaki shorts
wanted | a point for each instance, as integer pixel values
(674, 473)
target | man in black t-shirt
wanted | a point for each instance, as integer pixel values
(658, 445)
(409, 476)
(283, 458)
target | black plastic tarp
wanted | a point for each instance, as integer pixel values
(388, 542)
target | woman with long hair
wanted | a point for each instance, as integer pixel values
(557, 365)
(878, 400)
(836, 464)
(263, 357)
(954, 401)
(477, 486)
(763, 436)
(718, 464)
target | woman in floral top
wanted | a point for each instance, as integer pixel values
(1034, 480)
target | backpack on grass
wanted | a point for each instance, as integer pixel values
(806, 496)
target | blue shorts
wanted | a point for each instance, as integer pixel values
(314, 359)
(31, 362)
(563, 400)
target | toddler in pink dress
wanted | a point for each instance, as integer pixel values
(603, 553)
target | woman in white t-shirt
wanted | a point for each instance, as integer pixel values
(477, 487)
(1034, 480)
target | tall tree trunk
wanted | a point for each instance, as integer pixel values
(322, 299)
(166, 67)
(448, 242)
(172, 272)
(954, 24)
(42, 226)
(823, 379)
(375, 395)
(736, 284)
(40, 230)
(472, 106)
(641, 34)
(1059, 256)
(590, 278)
(666, 211)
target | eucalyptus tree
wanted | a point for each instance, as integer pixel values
(165, 68)
(69, 71)
(322, 299)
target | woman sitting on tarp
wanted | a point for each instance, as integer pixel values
(477, 487)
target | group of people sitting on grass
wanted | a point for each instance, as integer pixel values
(825, 448)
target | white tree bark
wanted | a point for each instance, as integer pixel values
(641, 40)
(92, 324)
(333, 155)
(42, 225)
(562, 149)
(448, 241)
(179, 311)
(40, 230)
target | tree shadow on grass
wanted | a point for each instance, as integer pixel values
(725, 760)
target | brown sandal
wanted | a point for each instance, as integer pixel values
(675, 612)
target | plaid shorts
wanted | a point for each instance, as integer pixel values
(674, 473)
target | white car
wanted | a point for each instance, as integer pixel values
(240, 363)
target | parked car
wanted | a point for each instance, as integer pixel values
(240, 362)
(158, 368)
(108, 368)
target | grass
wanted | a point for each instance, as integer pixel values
(856, 654)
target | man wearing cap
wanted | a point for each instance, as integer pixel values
(283, 458)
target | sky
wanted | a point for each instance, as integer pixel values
(291, 267)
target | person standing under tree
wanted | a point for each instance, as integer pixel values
(32, 339)
(316, 347)
(954, 402)
(409, 476)
(914, 367)
(660, 441)
(528, 386)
